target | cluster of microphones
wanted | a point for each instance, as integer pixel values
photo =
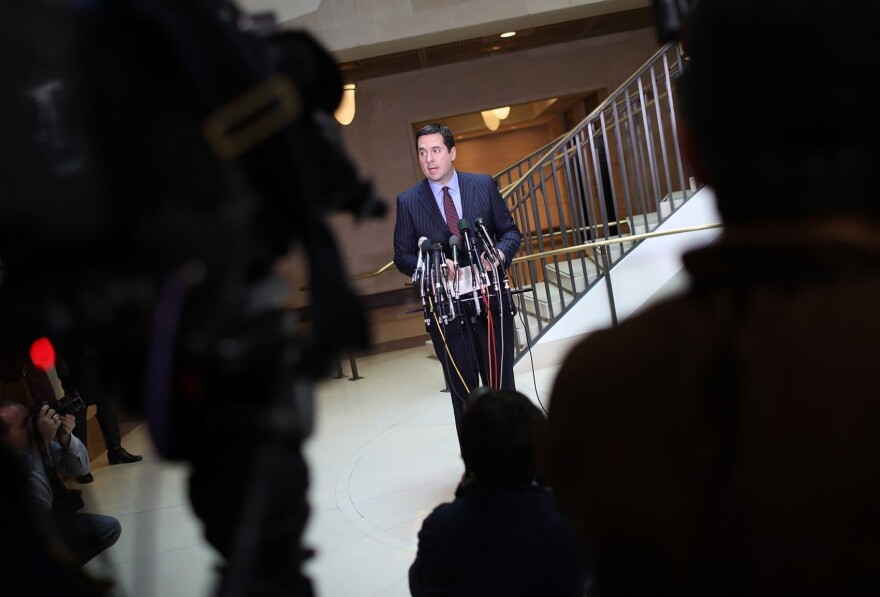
(443, 291)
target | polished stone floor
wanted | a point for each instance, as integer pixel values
(383, 454)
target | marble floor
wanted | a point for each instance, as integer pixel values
(382, 455)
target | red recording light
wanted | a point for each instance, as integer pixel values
(43, 354)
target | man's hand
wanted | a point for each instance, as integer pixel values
(488, 259)
(48, 422)
(68, 422)
(450, 267)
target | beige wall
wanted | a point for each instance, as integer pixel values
(353, 29)
(381, 140)
(493, 153)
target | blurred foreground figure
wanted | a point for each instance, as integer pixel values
(158, 158)
(503, 533)
(726, 442)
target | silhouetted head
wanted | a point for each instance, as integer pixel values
(772, 99)
(14, 433)
(501, 432)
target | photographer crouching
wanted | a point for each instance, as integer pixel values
(43, 441)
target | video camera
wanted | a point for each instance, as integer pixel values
(158, 158)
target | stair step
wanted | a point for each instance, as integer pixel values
(520, 330)
(639, 226)
(667, 203)
(542, 307)
(573, 276)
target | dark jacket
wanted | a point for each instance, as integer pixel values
(498, 541)
(727, 442)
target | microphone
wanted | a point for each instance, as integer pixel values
(437, 262)
(424, 271)
(453, 242)
(470, 244)
(484, 236)
(417, 275)
(469, 241)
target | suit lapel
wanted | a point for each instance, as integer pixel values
(429, 204)
(467, 197)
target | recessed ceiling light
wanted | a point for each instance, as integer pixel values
(508, 34)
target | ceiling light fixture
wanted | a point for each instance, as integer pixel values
(502, 113)
(491, 121)
(344, 114)
(508, 34)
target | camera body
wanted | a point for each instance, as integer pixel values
(69, 404)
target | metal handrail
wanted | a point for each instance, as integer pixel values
(534, 155)
(621, 163)
(611, 99)
(565, 250)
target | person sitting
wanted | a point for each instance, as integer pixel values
(46, 447)
(31, 562)
(502, 534)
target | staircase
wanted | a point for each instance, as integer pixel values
(618, 173)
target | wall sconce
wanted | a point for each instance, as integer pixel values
(502, 113)
(491, 121)
(492, 118)
(344, 114)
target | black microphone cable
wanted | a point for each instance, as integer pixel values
(529, 346)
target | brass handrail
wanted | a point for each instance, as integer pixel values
(612, 241)
(571, 249)
(378, 272)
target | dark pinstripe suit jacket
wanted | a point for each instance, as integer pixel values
(418, 215)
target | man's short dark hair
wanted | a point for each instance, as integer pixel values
(431, 129)
(773, 92)
(501, 432)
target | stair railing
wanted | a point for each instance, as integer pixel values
(617, 174)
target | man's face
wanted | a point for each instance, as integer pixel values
(435, 159)
(15, 419)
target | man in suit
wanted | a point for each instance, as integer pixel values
(475, 345)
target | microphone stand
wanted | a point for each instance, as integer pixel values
(438, 284)
(487, 240)
(477, 273)
(447, 286)
(424, 301)
(453, 243)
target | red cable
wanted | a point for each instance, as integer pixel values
(491, 354)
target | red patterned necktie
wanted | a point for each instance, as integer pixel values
(451, 214)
